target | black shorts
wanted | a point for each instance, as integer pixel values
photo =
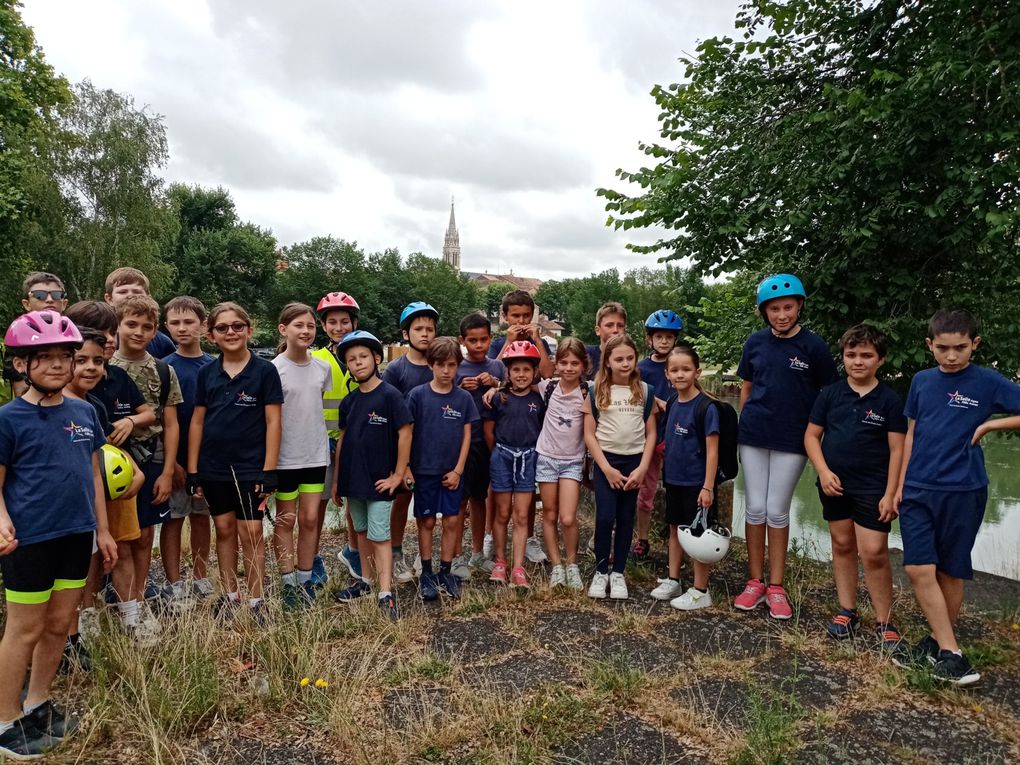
(476, 471)
(149, 513)
(862, 509)
(682, 504)
(32, 572)
(237, 497)
(307, 480)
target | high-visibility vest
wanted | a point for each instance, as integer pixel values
(343, 383)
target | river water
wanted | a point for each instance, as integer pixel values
(997, 550)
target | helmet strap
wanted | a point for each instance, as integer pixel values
(47, 393)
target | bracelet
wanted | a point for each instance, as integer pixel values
(710, 491)
(459, 474)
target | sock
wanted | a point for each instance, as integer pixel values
(30, 709)
(290, 578)
(234, 596)
(304, 576)
(384, 594)
(444, 566)
(398, 550)
(643, 541)
(702, 591)
(73, 639)
(675, 579)
(773, 584)
(86, 615)
(426, 566)
(128, 611)
(254, 602)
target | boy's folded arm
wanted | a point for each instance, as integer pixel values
(999, 423)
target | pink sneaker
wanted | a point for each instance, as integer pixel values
(752, 596)
(518, 578)
(498, 572)
(779, 604)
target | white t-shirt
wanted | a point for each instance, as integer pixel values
(621, 426)
(304, 442)
(562, 436)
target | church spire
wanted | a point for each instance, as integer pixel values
(451, 244)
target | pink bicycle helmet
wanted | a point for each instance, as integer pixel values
(336, 300)
(36, 329)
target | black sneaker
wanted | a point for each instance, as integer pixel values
(388, 606)
(260, 614)
(954, 668)
(225, 609)
(48, 720)
(920, 656)
(23, 741)
(76, 656)
(349, 594)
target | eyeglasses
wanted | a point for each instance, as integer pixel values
(43, 294)
(237, 327)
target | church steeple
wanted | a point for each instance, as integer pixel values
(451, 245)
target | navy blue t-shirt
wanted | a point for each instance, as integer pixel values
(947, 409)
(787, 373)
(683, 462)
(594, 358)
(187, 368)
(654, 373)
(518, 419)
(234, 434)
(856, 439)
(119, 394)
(405, 376)
(104, 419)
(470, 368)
(370, 423)
(49, 489)
(439, 420)
(160, 346)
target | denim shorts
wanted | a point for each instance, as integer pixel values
(372, 516)
(513, 469)
(551, 470)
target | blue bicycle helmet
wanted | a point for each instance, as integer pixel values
(417, 308)
(780, 285)
(664, 319)
(358, 337)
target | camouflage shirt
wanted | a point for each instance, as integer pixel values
(146, 376)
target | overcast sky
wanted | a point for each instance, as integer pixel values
(362, 120)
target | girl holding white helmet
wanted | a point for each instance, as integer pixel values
(783, 367)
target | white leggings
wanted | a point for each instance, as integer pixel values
(770, 478)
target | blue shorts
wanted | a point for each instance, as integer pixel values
(431, 498)
(149, 513)
(940, 527)
(513, 469)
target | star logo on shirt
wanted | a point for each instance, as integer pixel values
(871, 417)
(449, 413)
(532, 407)
(374, 418)
(796, 363)
(78, 432)
(958, 400)
(245, 400)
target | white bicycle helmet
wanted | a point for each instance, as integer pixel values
(704, 543)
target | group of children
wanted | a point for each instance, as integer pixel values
(118, 429)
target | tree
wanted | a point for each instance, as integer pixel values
(31, 209)
(106, 159)
(492, 299)
(217, 258)
(871, 148)
(443, 286)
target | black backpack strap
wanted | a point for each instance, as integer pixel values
(649, 400)
(549, 388)
(164, 382)
(700, 413)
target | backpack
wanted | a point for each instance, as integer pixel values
(649, 403)
(164, 382)
(729, 465)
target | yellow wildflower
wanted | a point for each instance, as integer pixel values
(320, 683)
(305, 681)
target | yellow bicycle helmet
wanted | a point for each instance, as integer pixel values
(117, 471)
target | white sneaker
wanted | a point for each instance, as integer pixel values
(533, 551)
(203, 588)
(574, 581)
(667, 589)
(181, 598)
(480, 562)
(416, 567)
(487, 546)
(145, 633)
(599, 584)
(558, 576)
(618, 587)
(692, 600)
(460, 567)
(401, 571)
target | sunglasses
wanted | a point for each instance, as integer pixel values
(237, 327)
(43, 294)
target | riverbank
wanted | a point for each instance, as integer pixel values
(502, 677)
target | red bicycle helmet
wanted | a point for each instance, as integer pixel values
(339, 300)
(36, 329)
(522, 349)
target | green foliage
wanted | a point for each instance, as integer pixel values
(869, 147)
(722, 322)
(492, 299)
(216, 257)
